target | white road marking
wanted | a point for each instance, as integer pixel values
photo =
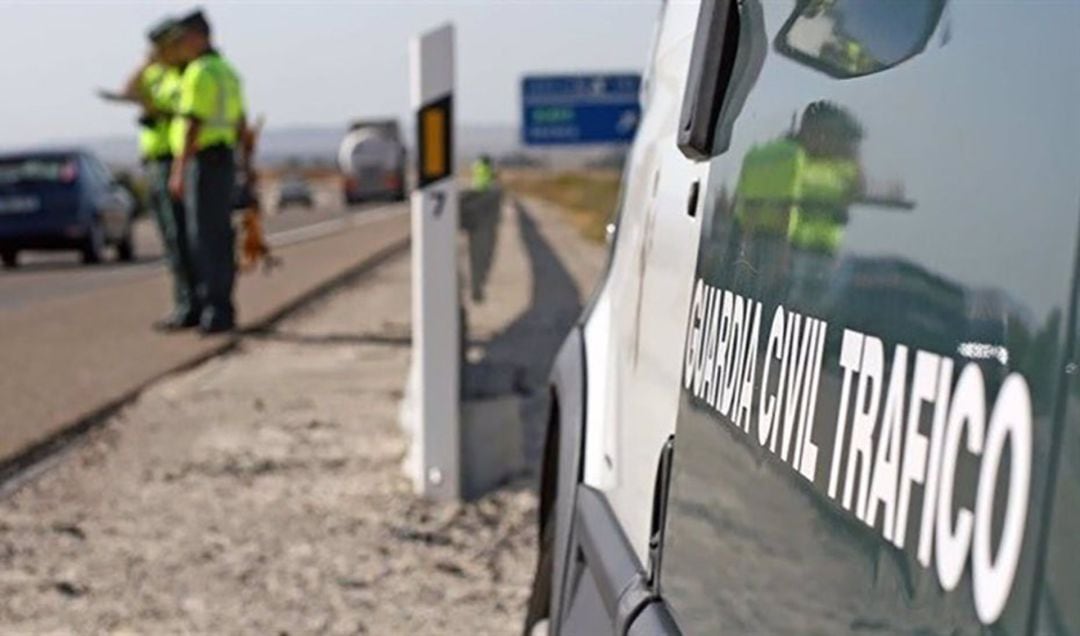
(82, 280)
(317, 230)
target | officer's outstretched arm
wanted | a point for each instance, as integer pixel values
(131, 92)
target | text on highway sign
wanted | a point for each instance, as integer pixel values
(580, 109)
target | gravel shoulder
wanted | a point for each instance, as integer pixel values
(261, 493)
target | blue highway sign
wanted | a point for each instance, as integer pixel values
(579, 109)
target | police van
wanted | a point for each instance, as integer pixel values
(829, 383)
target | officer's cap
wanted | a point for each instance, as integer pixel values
(163, 31)
(194, 21)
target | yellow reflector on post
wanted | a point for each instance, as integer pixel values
(434, 126)
(436, 143)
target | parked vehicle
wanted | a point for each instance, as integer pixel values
(62, 200)
(829, 382)
(295, 190)
(372, 162)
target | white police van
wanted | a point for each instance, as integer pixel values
(829, 383)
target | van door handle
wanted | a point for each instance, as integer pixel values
(692, 200)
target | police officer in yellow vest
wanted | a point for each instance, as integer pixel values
(483, 174)
(209, 130)
(162, 87)
(793, 197)
(155, 87)
(480, 218)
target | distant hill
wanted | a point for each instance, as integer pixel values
(319, 144)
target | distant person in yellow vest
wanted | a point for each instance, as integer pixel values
(483, 174)
(851, 55)
(210, 130)
(480, 218)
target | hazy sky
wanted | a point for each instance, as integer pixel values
(303, 62)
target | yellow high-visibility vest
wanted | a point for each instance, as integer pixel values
(782, 191)
(209, 92)
(482, 175)
(160, 84)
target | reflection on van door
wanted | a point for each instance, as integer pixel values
(874, 342)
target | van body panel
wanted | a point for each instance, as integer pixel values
(633, 340)
(918, 227)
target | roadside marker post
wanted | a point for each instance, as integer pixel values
(436, 438)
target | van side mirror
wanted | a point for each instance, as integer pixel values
(852, 38)
(712, 59)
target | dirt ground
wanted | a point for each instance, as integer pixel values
(261, 493)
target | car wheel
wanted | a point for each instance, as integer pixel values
(10, 258)
(93, 250)
(125, 249)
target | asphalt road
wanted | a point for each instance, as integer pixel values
(49, 275)
(75, 338)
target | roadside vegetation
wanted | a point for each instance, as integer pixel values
(588, 197)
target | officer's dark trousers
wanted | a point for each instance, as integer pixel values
(169, 214)
(208, 202)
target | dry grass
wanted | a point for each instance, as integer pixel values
(588, 197)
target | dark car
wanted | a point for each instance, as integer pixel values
(295, 190)
(62, 200)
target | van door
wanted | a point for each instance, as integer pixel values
(881, 326)
(632, 340)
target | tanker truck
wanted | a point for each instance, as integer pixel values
(372, 162)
